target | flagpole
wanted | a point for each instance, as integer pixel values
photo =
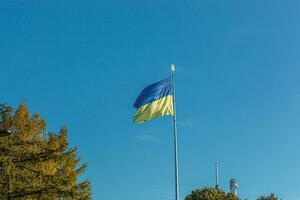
(175, 135)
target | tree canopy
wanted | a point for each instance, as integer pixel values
(270, 197)
(214, 194)
(35, 164)
(210, 194)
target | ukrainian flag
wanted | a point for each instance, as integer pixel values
(156, 100)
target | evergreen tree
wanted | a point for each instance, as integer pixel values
(35, 165)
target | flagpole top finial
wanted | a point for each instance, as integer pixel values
(172, 67)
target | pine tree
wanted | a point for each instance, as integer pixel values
(35, 165)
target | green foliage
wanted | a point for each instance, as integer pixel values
(35, 165)
(270, 197)
(210, 194)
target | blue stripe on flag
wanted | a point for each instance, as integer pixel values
(154, 92)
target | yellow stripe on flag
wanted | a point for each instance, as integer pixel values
(158, 108)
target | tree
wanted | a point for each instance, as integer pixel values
(35, 164)
(210, 194)
(270, 197)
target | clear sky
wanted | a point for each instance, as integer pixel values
(83, 63)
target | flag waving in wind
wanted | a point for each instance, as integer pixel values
(156, 100)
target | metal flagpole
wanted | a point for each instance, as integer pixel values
(175, 135)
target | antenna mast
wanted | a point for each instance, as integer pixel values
(217, 187)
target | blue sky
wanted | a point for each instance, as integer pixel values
(83, 63)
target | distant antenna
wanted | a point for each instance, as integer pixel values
(233, 186)
(217, 187)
